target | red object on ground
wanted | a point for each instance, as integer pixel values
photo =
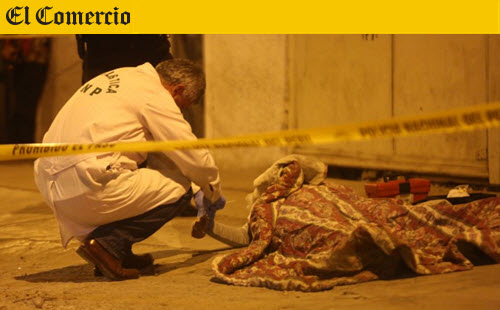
(418, 187)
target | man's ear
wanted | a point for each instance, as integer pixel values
(178, 90)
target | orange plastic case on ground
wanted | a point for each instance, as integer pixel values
(418, 187)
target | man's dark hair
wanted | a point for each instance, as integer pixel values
(185, 72)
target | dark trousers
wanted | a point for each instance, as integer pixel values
(118, 237)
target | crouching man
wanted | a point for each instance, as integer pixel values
(109, 201)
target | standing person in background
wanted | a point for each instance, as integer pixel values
(104, 52)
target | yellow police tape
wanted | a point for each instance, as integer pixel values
(467, 118)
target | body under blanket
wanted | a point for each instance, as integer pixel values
(312, 237)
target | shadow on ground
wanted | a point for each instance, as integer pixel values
(197, 257)
(85, 272)
(75, 273)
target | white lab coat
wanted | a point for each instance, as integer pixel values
(124, 105)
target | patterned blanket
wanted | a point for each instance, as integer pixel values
(314, 237)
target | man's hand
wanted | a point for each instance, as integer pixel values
(204, 205)
(214, 207)
(206, 214)
(198, 201)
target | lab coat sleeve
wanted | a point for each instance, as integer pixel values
(165, 122)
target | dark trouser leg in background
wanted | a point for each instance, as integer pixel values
(118, 237)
